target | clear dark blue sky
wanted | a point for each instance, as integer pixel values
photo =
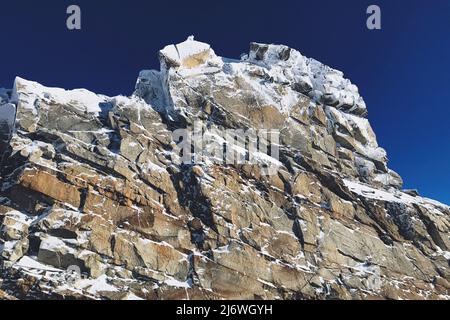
(403, 71)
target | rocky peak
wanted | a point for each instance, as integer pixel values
(189, 54)
(323, 84)
(95, 204)
(274, 63)
(269, 87)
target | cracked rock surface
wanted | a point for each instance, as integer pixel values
(92, 184)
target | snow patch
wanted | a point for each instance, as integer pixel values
(392, 196)
(29, 263)
(94, 286)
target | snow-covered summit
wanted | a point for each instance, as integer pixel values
(187, 54)
(275, 65)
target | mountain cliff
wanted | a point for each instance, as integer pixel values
(97, 202)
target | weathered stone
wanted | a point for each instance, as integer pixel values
(53, 251)
(15, 226)
(13, 250)
(50, 186)
(308, 187)
(93, 184)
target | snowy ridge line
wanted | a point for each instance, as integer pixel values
(279, 64)
(83, 99)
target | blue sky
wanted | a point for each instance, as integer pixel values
(403, 70)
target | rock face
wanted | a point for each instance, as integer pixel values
(93, 186)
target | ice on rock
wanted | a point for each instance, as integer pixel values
(150, 86)
(4, 95)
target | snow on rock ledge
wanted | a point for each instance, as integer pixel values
(32, 99)
(27, 93)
